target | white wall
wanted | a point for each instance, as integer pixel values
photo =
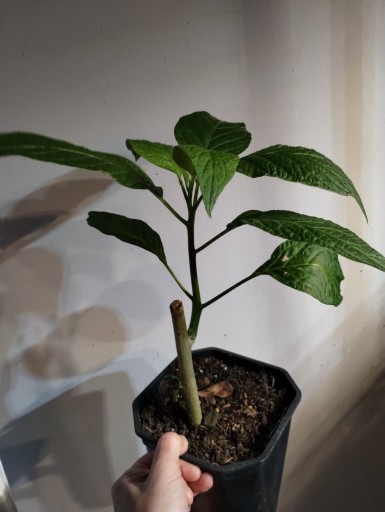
(84, 319)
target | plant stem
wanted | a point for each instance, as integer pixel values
(171, 209)
(194, 322)
(196, 193)
(186, 292)
(225, 292)
(184, 186)
(214, 239)
(186, 367)
(196, 295)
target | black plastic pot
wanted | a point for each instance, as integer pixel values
(252, 485)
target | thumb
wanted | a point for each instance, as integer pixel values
(166, 463)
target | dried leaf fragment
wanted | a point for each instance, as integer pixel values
(221, 389)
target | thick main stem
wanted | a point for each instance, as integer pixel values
(186, 367)
(196, 295)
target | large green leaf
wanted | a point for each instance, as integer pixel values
(300, 165)
(212, 169)
(204, 130)
(308, 268)
(184, 161)
(155, 153)
(132, 231)
(43, 148)
(303, 228)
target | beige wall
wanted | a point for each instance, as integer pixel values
(84, 319)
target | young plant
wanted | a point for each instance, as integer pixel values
(204, 162)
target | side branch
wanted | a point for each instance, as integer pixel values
(214, 239)
(184, 290)
(228, 290)
(171, 209)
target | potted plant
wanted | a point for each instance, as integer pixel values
(201, 391)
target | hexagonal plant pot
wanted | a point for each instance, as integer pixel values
(252, 485)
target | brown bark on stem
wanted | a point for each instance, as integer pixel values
(183, 346)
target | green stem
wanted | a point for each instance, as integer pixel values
(183, 186)
(196, 295)
(186, 367)
(171, 209)
(228, 290)
(194, 322)
(184, 290)
(214, 239)
(196, 193)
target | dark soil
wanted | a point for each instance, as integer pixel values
(234, 428)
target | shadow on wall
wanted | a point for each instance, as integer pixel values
(31, 282)
(58, 453)
(47, 208)
(345, 472)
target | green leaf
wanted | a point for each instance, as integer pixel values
(204, 130)
(303, 228)
(300, 165)
(46, 149)
(308, 268)
(132, 231)
(184, 160)
(212, 169)
(155, 153)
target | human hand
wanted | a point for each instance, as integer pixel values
(160, 481)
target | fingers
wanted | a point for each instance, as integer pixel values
(189, 496)
(197, 481)
(203, 484)
(190, 472)
(166, 463)
(167, 452)
(171, 444)
(161, 477)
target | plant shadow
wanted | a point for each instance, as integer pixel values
(60, 452)
(48, 207)
(37, 338)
